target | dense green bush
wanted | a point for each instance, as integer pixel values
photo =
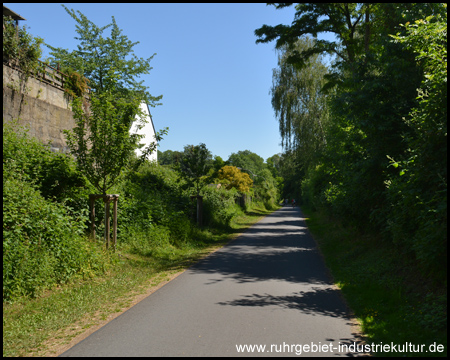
(267, 193)
(384, 169)
(54, 174)
(42, 244)
(219, 206)
(153, 196)
(316, 187)
(43, 240)
(45, 206)
(417, 191)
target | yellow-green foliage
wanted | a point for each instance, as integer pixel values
(232, 177)
(75, 85)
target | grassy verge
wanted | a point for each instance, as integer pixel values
(44, 326)
(394, 302)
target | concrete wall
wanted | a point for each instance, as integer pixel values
(45, 110)
(42, 108)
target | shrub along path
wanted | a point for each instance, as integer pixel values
(268, 287)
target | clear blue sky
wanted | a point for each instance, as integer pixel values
(214, 78)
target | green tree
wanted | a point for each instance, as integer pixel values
(273, 164)
(100, 140)
(218, 163)
(109, 63)
(249, 161)
(418, 189)
(299, 104)
(195, 165)
(215, 165)
(265, 189)
(169, 157)
(376, 81)
(375, 94)
(349, 22)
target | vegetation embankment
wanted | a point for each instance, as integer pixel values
(365, 144)
(392, 299)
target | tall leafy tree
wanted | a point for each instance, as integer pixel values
(374, 96)
(265, 185)
(100, 140)
(299, 104)
(195, 164)
(376, 81)
(418, 189)
(349, 22)
(273, 164)
(249, 161)
(383, 168)
(109, 63)
(170, 157)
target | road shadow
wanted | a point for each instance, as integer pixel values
(316, 302)
(277, 248)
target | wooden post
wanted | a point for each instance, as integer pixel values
(115, 222)
(92, 214)
(106, 199)
(199, 210)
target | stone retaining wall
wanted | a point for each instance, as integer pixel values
(41, 107)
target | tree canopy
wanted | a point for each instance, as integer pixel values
(249, 161)
(109, 63)
(195, 164)
(379, 164)
(350, 22)
(299, 104)
(232, 177)
(101, 140)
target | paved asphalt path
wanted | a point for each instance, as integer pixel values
(269, 287)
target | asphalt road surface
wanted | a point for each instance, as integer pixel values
(268, 289)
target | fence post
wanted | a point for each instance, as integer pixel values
(115, 221)
(107, 199)
(92, 214)
(199, 210)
